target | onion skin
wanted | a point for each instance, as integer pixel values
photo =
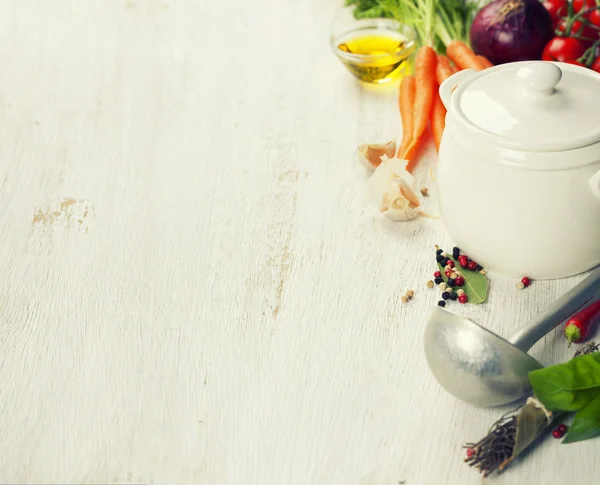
(511, 31)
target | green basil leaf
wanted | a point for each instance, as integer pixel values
(476, 284)
(586, 424)
(570, 386)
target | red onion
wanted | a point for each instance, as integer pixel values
(511, 30)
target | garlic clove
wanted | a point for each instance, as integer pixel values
(370, 155)
(393, 190)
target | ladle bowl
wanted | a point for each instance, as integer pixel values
(479, 367)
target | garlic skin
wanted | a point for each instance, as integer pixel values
(394, 190)
(370, 156)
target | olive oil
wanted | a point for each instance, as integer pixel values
(375, 55)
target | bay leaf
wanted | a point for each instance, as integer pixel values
(570, 386)
(586, 424)
(531, 422)
(476, 284)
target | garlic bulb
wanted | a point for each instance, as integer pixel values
(370, 155)
(394, 190)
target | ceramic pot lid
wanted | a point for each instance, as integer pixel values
(532, 106)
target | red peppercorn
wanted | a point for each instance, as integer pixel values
(448, 273)
(451, 263)
(472, 265)
(437, 274)
(557, 434)
(526, 281)
(463, 298)
(562, 428)
(464, 264)
(460, 281)
(470, 452)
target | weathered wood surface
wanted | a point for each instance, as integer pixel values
(193, 288)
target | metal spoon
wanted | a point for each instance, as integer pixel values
(479, 367)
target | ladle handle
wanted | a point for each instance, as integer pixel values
(562, 309)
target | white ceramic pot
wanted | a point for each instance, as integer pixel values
(519, 167)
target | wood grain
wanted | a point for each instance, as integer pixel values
(194, 291)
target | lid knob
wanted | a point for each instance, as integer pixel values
(539, 78)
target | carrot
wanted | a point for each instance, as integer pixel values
(425, 85)
(406, 100)
(438, 120)
(485, 62)
(462, 55)
(443, 69)
(579, 325)
(455, 68)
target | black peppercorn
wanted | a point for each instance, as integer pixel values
(439, 280)
(441, 303)
(438, 252)
(439, 258)
(453, 296)
(451, 282)
(445, 295)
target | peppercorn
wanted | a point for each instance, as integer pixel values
(472, 265)
(451, 264)
(460, 292)
(470, 452)
(438, 280)
(439, 258)
(430, 284)
(520, 285)
(562, 428)
(439, 251)
(451, 282)
(463, 298)
(526, 281)
(443, 286)
(478, 267)
(437, 274)
(460, 281)
(445, 295)
(557, 434)
(404, 299)
(453, 296)
(442, 303)
(410, 293)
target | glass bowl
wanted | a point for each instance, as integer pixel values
(377, 50)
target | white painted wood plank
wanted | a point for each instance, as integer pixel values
(194, 290)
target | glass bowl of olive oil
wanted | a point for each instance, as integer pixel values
(377, 50)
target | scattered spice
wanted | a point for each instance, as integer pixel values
(463, 298)
(526, 281)
(404, 299)
(410, 293)
(443, 286)
(430, 284)
(475, 283)
(425, 191)
(442, 303)
(520, 285)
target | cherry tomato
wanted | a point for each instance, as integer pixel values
(577, 29)
(557, 9)
(563, 49)
(583, 5)
(594, 19)
(596, 65)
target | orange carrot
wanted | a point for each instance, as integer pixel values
(406, 100)
(438, 120)
(443, 69)
(425, 85)
(462, 55)
(455, 68)
(485, 62)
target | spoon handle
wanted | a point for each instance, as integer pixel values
(562, 309)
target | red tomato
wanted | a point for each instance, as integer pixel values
(557, 9)
(579, 5)
(577, 29)
(596, 65)
(594, 19)
(563, 49)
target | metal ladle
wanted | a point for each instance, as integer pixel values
(479, 367)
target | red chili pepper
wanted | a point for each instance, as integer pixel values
(579, 325)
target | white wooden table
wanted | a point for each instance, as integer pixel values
(193, 289)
